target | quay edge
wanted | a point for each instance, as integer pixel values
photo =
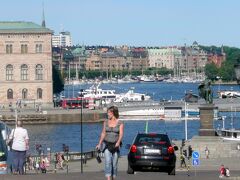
(56, 117)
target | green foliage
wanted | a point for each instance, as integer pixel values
(90, 74)
(232, 54)
(58, 83)
(226, 72)
(211, 49)
(211, 71)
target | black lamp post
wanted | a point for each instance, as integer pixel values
(237, 72)
(81, 95)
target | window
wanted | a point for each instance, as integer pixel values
(24, 93)
(24, 49)
(9, 49)
(38, 48)
(9, 94)
(24, 72)
(39, 72)
(9, 72)
(39, 93)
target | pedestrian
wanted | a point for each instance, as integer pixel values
(60, 160)
(20, 145)
(183, 162)
(238, 147)
(207, 152)
(29, 162)
(43, 166)
(111, 137)
(222, 171)
(227, 172)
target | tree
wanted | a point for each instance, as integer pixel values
(58, 83)
(227, 71)
(211, 71)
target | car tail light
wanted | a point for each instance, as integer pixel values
(165, 158)
(137, 157)
(133, 149)
(170, 150)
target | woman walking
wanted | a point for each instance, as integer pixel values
(111, 136)
(20, 145)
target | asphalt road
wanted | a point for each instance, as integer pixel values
(206, 175)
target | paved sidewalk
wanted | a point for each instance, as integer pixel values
(205, 165)
(206, 175)
(208, 169)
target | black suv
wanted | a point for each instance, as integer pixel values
(152, 152)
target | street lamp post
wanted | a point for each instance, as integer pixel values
(81, 95)
(186, 116)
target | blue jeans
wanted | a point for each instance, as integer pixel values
(19, 157)
(111, 162)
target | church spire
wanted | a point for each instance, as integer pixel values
(43, 18)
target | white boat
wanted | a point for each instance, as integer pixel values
(131, 96)
(107, 96)
(229, 94)
(228, 134)
(144, 112)
(145, 78)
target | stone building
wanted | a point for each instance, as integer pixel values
(94, 62)
(26, 64)
(217, 57)
(194, 59)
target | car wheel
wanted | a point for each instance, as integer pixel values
(172, 171)
(130, 170)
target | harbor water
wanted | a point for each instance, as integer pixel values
(54, 135)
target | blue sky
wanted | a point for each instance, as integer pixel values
(134, 22)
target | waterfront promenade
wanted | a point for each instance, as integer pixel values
(208, 169)
(58, 115)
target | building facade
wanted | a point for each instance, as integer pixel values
(63, 39)
(26, 64)
(217, 57)
(168, 57)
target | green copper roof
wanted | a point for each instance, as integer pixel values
(22, 27)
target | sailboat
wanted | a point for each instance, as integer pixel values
(76, 81)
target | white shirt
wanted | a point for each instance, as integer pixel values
(19, 139)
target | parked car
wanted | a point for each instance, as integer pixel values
(3, 149)
(152, 151)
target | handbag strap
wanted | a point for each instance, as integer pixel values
(13, 133)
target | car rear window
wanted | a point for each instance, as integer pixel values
(160, 139)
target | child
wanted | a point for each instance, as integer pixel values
(207, 152)
(29, 162)
(227, 172)
(222, 171)
(43, 166)
(60, 159)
